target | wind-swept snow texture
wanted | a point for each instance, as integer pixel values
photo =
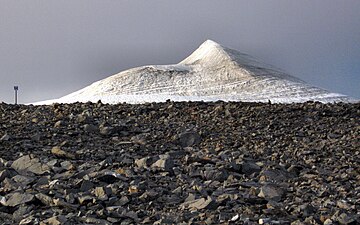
(210, 73)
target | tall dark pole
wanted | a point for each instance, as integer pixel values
(16, 88)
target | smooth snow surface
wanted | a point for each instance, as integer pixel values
(210, 73)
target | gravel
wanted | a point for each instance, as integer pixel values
(180, 163)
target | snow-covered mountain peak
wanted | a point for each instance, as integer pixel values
(210, 44)
(212, 72)
(208, 53)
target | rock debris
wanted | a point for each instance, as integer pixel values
(180, 163)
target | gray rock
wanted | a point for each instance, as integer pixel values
(59, 124)
(130, 214)
(345, 218)
(5, 137)
(165, 164)
(55, 220)
(21, 212)
(57, 151)
(61, 203)
(249, 168)
(85, 116)
(18, 198)
(23, 180)
(188, 139)
(342, 204)
(2, 200)
(92, 220)
(85, 199)
(2, 162)
(140, 139)
(86, 185)
(29, 220)
(123, 200)
(149, 195)
(45, 199)
(4, 174)
(29, 164)
(328, 222)
(277, 175)
(67, 165)
(164, 221)
(307, 210)
(265, 221)
(305, 177)
(202, 203)
(271, 192)
(111, 177)
(144, 162)
(216, 174)
(104, 130)
(102, 193)
(91, 128)
(9, 185)
(36, 137)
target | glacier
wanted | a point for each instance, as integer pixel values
(211, 73)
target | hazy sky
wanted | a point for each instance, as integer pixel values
(53, 47)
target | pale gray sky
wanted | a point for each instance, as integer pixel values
(53, 47)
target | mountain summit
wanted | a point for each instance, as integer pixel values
(212, 72)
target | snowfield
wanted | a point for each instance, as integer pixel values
(210, 73)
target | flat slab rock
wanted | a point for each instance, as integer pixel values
(180, 163)
(29, 164)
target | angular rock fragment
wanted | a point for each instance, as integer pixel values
(23, 180)
(18, 198)
(29, 164)
(67, 165)
(57, 151)
(144, 162)
(5, 137)
(104, 130)
(55, 220)
(123, 200)
(62, 203)
(202, 203)
(86, 185)
(345, 218)
(4, 174)
(2, 200)
(218, 174)
(249, 168)
(45, 199)
(111, 177)
(164, 163)
(102, 193)
(188, 139)
(328, 222)
(133, 189)
(83, 200)
(21, 212)
(92, 220)
(271, 192)
(140, 139)
(29, 220)
(91, 128)
(58, 124)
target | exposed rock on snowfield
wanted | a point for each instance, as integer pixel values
(180, 163)
(210, 73)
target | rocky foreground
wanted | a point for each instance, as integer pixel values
(180, 163)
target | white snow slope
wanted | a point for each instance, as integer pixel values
(210, 73)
